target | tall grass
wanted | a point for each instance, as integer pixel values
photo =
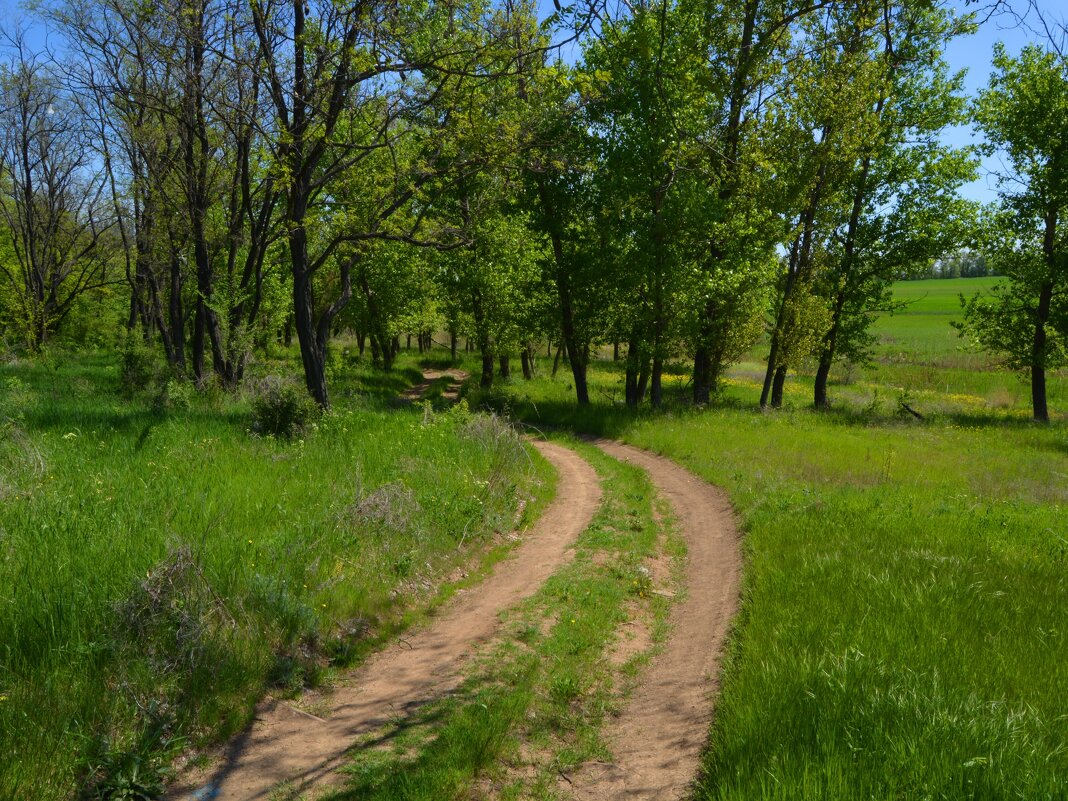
(159, 569)
(905, 609)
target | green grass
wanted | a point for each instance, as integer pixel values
(918, 357)
(160, 568)
(534, 701)
(905, 608)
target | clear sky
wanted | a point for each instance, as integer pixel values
(972, 53)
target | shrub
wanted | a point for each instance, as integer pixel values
(139, 366)
(282, 408)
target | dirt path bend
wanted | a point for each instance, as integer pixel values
(656, 742)
(450, 393)
(286, 745)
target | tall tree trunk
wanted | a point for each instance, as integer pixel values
(578, 352)
(777, 387)
(1040, 409)
(635, 361)
(177, 316)
(827, 352)
(525, 359)
(643, 381)
(656, 390)
(702, 375)
(506, 367)
(486, 379)
(304, 322)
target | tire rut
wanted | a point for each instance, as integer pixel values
(657, 740)
(284, 745)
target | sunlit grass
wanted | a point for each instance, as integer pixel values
(159, 568)
(905, 609)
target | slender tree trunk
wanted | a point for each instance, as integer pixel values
(578, 352)
(200, 327)
(777, 387)
(702, 375)
(505, 366)
(1040, 409)
(486, 380)
(525, 359)
(177, 316)
(556, 360)
(643, 381)
(635, 361)
(452, 344)
(304, 321)
(820, 399)
(656, 390)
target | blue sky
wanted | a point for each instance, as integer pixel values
(972, 53)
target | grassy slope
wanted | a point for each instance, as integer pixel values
(158, 570)
(905, 613)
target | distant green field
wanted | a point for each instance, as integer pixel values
(919, 355)
(923, 329)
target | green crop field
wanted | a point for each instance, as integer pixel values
(919, 356)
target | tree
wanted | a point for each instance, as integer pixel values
(902, 211)
(50, 197)
(1022, 112)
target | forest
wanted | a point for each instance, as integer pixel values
(663, 179)
(315, 314)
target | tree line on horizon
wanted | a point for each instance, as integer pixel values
(677, 177)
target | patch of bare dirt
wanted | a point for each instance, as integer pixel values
(451, 393)
(656, 740)
(635, 637)
(289, 747)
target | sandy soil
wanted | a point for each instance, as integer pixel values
(657, 739)
(287, 745)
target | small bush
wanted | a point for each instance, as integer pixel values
(282, 408)
(139, 366)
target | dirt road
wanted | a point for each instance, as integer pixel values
(451, 392)
(285, 745)
(656, 742)
(657, 739)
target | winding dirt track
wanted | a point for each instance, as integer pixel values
(656, 742)
(285, 745)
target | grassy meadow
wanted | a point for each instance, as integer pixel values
(161, 566)
(905, 607)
